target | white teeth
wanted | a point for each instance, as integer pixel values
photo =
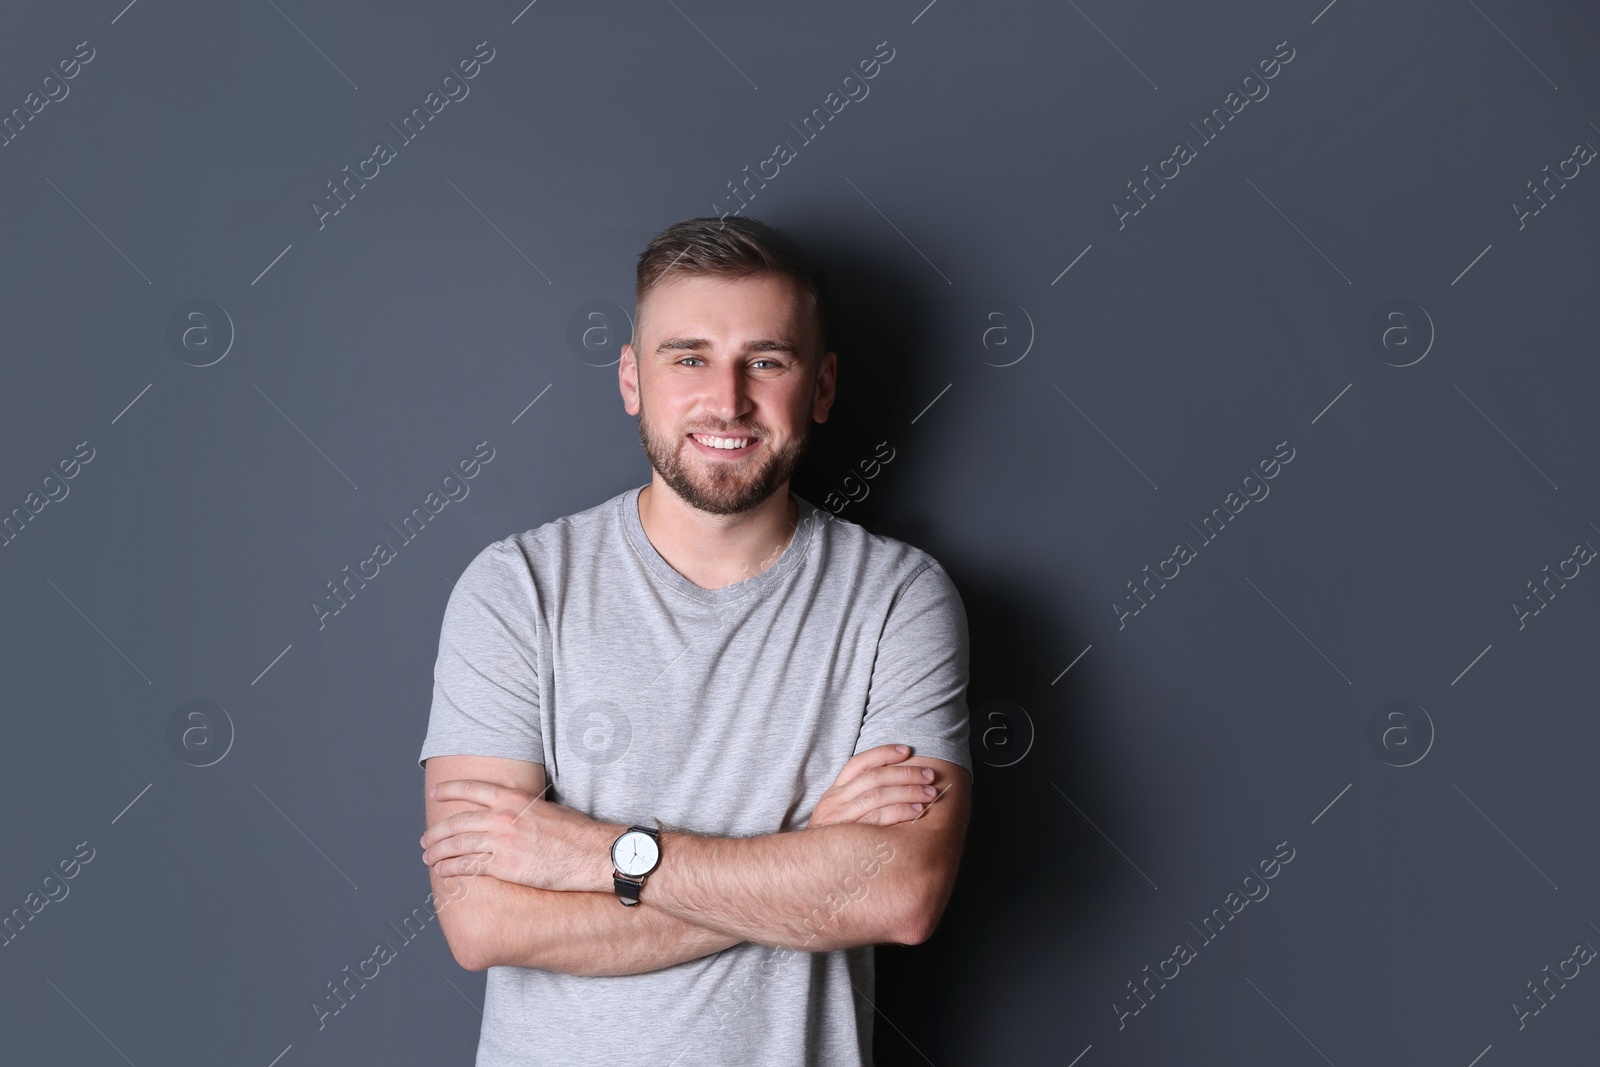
(721, 442)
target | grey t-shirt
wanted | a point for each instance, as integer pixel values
(730, 711)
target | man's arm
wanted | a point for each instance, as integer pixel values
(822, 888)
(487, 922)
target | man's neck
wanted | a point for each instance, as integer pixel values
(714, 551)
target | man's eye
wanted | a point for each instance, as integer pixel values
(770, 362)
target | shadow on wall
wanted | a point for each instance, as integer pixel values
(1009, 884)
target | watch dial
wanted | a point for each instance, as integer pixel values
(635, 853)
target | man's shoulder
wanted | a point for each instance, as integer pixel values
(866, 555)
(555, 537)
(565, 527)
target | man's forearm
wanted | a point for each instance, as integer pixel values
(817, 889)
(582, 933)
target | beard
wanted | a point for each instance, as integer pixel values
(721, 487)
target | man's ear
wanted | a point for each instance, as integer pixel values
(628, 379)
(827, 385)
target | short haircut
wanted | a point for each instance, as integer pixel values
(730, 247)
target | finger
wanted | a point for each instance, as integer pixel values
(879, 777)
(478, 819)
(900, 795)
(902, 773)
(891, 814)
(478, 792)
(877, 756)
(459, 845)
(464, 866)
(856, 809)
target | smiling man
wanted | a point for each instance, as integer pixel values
(695, 750)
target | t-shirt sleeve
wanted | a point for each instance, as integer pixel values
(486, 677)
(918, 693)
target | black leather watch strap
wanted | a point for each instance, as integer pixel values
(628, 889)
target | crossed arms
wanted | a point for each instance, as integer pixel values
(525, 882)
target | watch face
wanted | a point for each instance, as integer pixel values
(635, 853)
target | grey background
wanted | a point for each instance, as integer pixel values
(1117, 801)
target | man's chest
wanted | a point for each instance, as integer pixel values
(726, 721)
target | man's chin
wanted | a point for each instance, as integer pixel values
(723, 500)
(722, 495)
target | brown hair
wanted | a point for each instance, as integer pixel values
(730, 247)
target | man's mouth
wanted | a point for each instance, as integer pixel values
(723, 444)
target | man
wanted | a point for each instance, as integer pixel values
(694, 751)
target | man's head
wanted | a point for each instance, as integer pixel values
(730, 340)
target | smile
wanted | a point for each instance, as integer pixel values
(723, 444)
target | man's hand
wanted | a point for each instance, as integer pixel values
(518, 837)
(521, 838)
(872, 791)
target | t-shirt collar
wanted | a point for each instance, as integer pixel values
(807, 518)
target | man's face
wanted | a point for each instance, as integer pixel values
(733, 359)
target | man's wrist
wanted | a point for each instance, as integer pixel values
(605, 868)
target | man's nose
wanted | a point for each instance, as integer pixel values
(728, 396)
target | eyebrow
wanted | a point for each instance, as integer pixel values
(673, 344)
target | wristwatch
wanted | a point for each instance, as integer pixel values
(635, 854)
